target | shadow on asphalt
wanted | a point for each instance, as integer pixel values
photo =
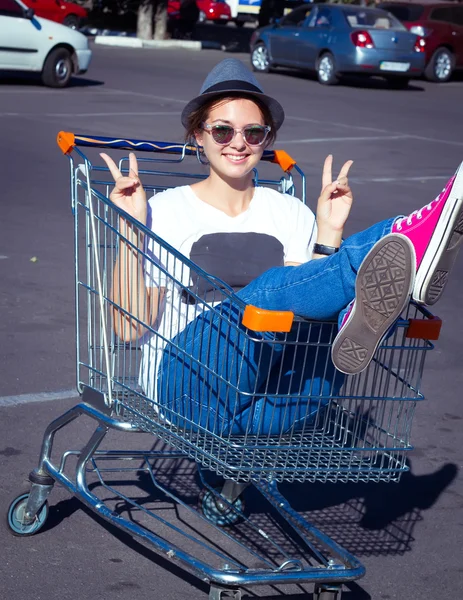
(224, 37)
(33, 79)
(365, 519)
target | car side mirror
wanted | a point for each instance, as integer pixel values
(29, 13)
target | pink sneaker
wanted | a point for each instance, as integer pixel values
(436, 232)
(382, 290)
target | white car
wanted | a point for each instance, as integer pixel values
(29, 43)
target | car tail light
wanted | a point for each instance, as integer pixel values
(419, 30)
(362, 39)
(420, 44)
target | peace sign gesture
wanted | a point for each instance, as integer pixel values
(335, 200)
(128, 192)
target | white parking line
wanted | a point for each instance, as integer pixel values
(397, 179)
(105, 114)
(39, 397)
(376, 130)
(343, 139)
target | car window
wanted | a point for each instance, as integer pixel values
(443, 14)
(457, 12)
(296, 17)
(10, 8)
(323, 18)
(448, 14)
(375, 19)
(404, 13)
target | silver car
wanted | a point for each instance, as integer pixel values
(334, 39)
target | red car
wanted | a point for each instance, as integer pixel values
(441, 24)
(209, 10)
(67, 13)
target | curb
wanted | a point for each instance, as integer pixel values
(129, 42)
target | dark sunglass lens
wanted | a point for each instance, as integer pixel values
(255, 135)
(222, 134)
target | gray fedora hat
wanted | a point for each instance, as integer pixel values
(230, 75)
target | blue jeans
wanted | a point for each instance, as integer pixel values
(214, 375)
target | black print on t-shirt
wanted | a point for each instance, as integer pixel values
(235, 258)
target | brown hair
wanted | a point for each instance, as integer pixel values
(198, 116)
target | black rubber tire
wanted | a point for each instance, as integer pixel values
(13, 517)
(72, 21)
(398, 83)
(327, 592)
(260, 48)
(433, 65)
(331, 78)
(57, 70)
(220, 517)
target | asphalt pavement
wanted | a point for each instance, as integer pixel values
(405, 145)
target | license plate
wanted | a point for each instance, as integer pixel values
(394, 66)
(224, 16)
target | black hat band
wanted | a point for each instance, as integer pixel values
(233, 85)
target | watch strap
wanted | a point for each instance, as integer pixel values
(324, 250)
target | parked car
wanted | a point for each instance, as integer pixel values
(340, 39)
(29, 43)
(441, 24)
(216, 11)
(67, 13)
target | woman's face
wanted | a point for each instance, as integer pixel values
(237, 159)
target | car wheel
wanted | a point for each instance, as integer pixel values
(71, 21)
(57, 70)
(260, 59)
(326, 69)
(398, 83)
(441, 65)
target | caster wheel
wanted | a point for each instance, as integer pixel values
(15, 517)
(218, 513)
(327, 592)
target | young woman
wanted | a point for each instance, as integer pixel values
(273, 251)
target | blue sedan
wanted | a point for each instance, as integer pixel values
(336, 39)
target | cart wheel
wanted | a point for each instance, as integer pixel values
(217, 513)
(15, 517)
(327, 592)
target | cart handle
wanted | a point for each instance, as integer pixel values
(258, 319)
(424, 329)
(67, 141)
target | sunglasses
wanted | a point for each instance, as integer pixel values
(254, 135)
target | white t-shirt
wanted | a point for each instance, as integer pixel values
(275, 229)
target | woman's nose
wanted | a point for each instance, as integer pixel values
(238, 141)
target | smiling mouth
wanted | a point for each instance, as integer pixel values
(236, 157)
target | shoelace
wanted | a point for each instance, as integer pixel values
(415, 213)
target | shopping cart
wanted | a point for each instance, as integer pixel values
(360, 431)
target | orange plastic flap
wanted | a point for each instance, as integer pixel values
(258, 319)
(424, 329)
(66, 141)
(283, 159)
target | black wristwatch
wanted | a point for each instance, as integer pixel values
(325, 250)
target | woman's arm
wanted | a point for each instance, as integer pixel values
(129, 291)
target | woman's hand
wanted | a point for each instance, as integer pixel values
(334, 203)
(128, 192)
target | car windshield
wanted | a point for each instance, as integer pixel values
(374, 19)
(404, 13)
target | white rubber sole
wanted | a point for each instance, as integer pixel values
(382, 290)
(440, 255)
